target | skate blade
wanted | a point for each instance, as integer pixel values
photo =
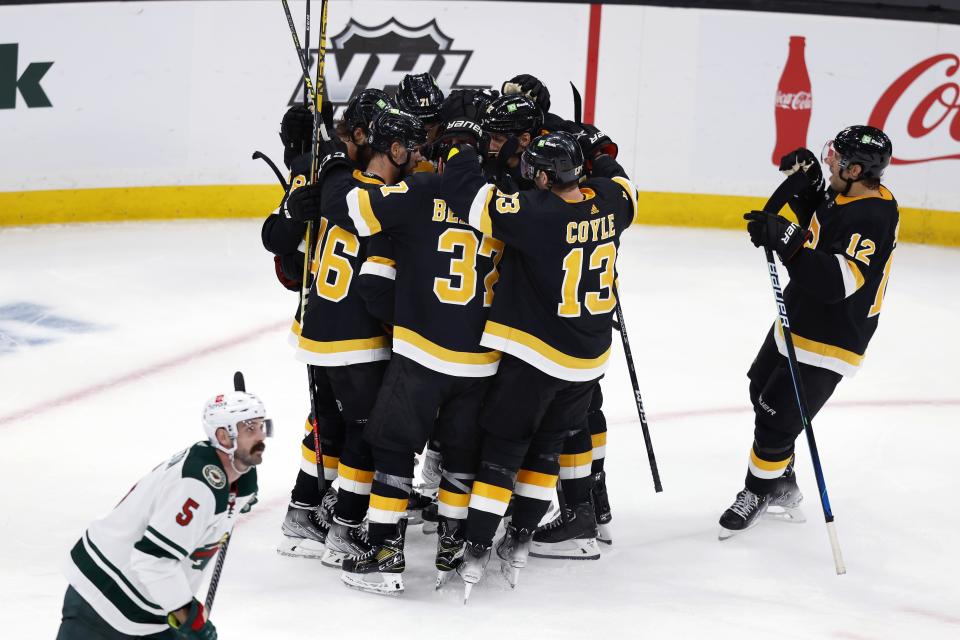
(390, 585)
(726, 534)
(429, 527)
(414, 518)
(792, 515)
(510, 573)
(604, 534)
(467, 587)
(300, 548)
(442, 578)
(579, 549)
(333, 559)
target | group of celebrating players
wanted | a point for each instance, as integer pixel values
(459, 254)
(425, 206)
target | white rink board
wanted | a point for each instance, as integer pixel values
(180, 93)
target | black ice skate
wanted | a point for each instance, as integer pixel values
(430, 517)
(304, 529)
(513, 549)
(572, 536)
(475, 559)
(784, 501)
(601, 507)
(744, 513)
(415, 506)
(450, 545)
(380, 569)
(344, 540)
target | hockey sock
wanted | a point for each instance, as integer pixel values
(456, 482)
(598, 438)
(576, 463)
(356, 477)
(766, 466)
(390, 492)
(489, 499)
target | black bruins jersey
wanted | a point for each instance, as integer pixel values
(339, 329)
(837, 282)
(555, 299)
(447, 272)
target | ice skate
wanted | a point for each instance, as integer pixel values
(572, 536)
(513, 549)
(783, 503)
(601, 507)
(430, 518)
(344, 540)
(415, 506)
(379, 570)
(303, 532)
(744, 513)
(450, 545)
(475, 559)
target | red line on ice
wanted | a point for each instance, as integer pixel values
(140, 374)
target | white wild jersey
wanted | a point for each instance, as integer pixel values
(146, 557)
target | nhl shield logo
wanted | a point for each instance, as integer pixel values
(215, 476)
(360, 56)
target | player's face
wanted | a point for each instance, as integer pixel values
(250, 441)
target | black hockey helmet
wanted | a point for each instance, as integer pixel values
(512, 115)
(419, 95)
(556, 154)
(393, 125)
(364, 107)
(867, 146)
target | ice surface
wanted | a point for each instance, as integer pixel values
(112, 337)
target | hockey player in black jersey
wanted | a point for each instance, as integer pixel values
(551, 318)
(838, 259)
(510, 122)
(349, 346)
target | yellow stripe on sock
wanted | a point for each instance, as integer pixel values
(576, 459)
(492, 492)
(766, 465)
(453, 499)
(599, 439)
(535, 477)
(387, 504)
(357, 475)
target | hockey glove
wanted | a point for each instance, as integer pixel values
(303, 203)
(195, 627)
(595, 143)
(529, 86)
(776, 233)
(296, 132)
(502, 177)
(283, 266)
(802, 159)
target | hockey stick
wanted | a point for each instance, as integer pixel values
(238, 385)
(306, 54)
(628, 354)
(259, 155)
(302, 55)
(577, 104)
(792, 185)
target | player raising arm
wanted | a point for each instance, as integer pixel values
(839, 268)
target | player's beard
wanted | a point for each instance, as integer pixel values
(253, 457)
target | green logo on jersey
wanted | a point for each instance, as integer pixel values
(215, 476)
(511, 108)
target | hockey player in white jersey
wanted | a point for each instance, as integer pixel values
(136, 571)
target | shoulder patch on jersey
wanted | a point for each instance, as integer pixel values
(215, 476)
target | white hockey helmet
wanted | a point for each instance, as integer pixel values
(224, 411)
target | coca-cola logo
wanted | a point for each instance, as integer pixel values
(910, 103)
(796, 101)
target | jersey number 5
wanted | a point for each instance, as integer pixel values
(462, 290)
(603, 258)
(186, 513)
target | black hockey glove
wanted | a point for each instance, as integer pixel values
(195, 627)
(802, 159)
(776, 233)
(296, 132)
(529, 86)
(595, 143)
(303, 203)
